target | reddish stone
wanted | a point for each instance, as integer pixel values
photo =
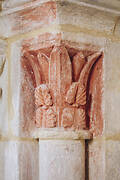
(61, 78)
(68, 117)
(77, 65)
(43, 43)
(95, 99)
(44, 66)
(38, 16)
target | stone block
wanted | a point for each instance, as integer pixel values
(18, 160)
(32, 16)
(88, 18)
(39, 14)
(4, 89)
(61, 159)
(112, 162)
(96, 159)
(111, 101)
(29, 160)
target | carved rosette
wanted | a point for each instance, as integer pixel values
(60, 87)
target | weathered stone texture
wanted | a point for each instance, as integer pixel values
(112, 89)
(28, 18)
(112, 162)
(96, 159)
(64, 159)
(86, 17)
(59, 82)
(18, 160)
(55, 86)
(3, 89)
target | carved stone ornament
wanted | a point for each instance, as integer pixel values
(60, 83)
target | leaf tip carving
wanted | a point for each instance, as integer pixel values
(77, 65)
(70, 97)
(81, 95)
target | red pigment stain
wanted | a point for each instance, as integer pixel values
(40, 16)
(52, 93)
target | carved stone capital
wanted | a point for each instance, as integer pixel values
(60, 77)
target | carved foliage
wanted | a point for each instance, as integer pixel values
(45, 110)
(60, 87)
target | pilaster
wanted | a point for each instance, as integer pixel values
(59, 90)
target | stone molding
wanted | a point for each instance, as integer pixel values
(61, 134)
(76, 13)
(106, 6)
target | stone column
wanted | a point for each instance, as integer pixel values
(19, 159)
(51, 90)
(62, 159)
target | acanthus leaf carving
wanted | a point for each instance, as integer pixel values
(35, 66)
(80, 118)
(68, 117)
(86, 69)
(71, 93)
(60, 74)
(81, 95)
(77, 65)
(43, 101)
(51, 118)
(39, 99)
(44, 67)
(76, 95)
(61, 85)
(42, 96)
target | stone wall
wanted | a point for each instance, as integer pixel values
(59, 90)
